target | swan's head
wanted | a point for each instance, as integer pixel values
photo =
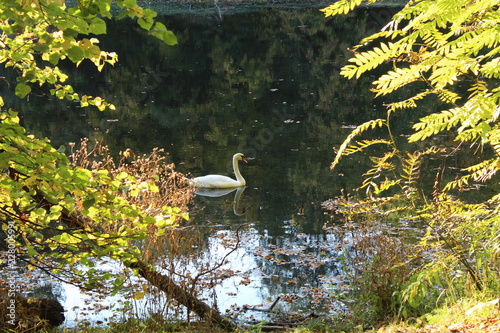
(240, 157)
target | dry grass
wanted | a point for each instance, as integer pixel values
(174, 189)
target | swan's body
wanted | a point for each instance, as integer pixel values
(219, 181)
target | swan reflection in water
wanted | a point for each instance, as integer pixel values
(219, 192)
(219, 181)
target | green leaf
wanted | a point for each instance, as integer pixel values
(145, 22)
(126, 3)
(160, 31)
(55, 212)
(22, 90)
(31, 251)
(89, 203)
(75, 54)
(54, 58)
(98, 26)
(63, 238)
(122, 175)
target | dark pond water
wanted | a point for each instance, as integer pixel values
(265, 83)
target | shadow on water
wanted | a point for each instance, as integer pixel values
(265, 83)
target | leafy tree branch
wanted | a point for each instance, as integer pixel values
(452, 47)
(38, 34)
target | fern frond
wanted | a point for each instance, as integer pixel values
(357, 131)
(478, 132)
(385, 185)
(434, 123)
(380, 165)
(411, 167)
(478, 88)
(343, 7)
(495, 199)
(396, 79)
(408, 103)
(477, 114)
(457, 183)
(447, 96)
(479, 172)
(484, 170)
(454, 45)
(361, 145)
(491, 69)
(450, 70)
(480, 166)
(370, 206)
(472, 9)
(368, 60)
(417, 14)
(409, 12)
(470, 44)
(433, 37)
(385, 34)
(494, 137)
(493, 52)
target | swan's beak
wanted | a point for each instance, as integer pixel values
(244, 159)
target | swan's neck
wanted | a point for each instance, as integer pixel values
(236, 169)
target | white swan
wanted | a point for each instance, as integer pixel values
(218, 181)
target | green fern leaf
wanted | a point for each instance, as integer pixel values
(408, 103)
(341, 7)
(396, 79)
(448, 96)
(479, 172)
(361, 145)
(478, 88)
(385, 185)
(491, 69)
(434, 123)
(357, 131)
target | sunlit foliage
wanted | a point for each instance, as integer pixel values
(448, 50)
(67, 217)
(36, 35)
(63, 216)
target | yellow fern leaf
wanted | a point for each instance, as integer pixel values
(357, 131)
(448, 96)
(361, 145)
(434, 123)
(395, 79)
(341, 7)
(408, 103)
(479, 172)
